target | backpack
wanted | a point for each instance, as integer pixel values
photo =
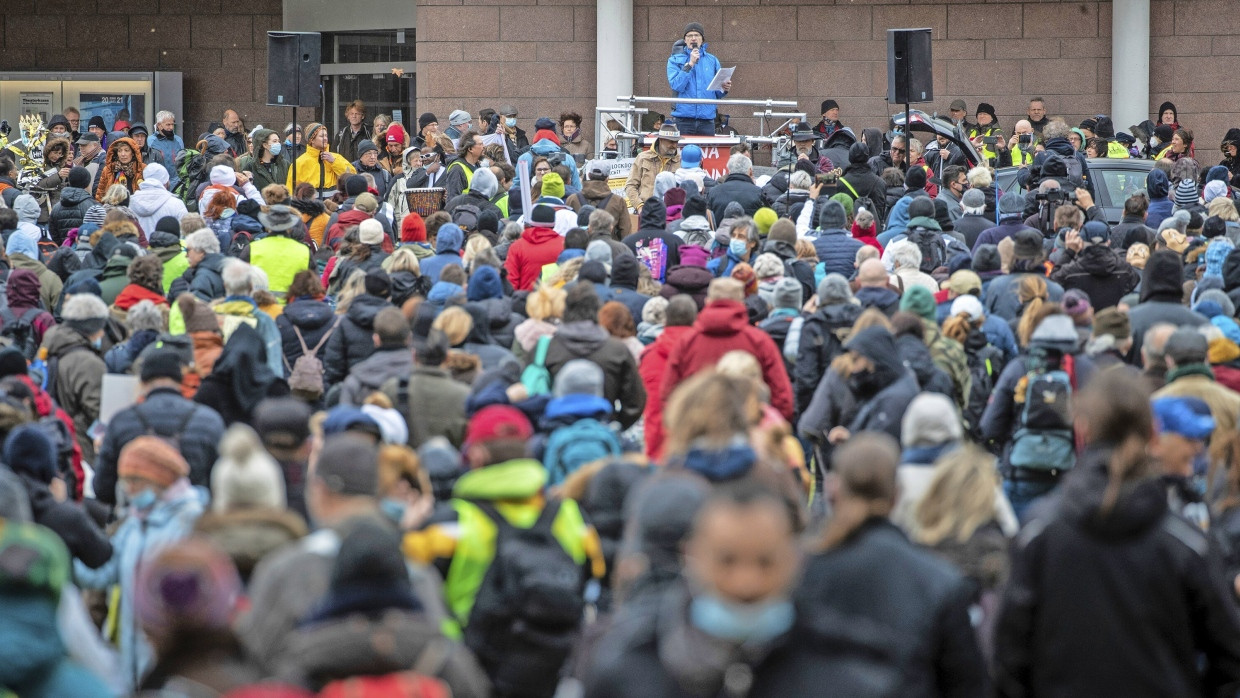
(190, 165)
(239, 248)
(466, 216)
(1071, 166)
(173, 438)
(984, 368)
(863, 201)
(536, 378)
(51, 374)
(19, 331)
(1043, 439)
(572, 446)
(305, 378)
(528, 608)
(62, 445)
(933, 249)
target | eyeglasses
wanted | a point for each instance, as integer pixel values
(898, 150)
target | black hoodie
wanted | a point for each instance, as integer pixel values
(884, 409)
(1130, 602)
(652, 229)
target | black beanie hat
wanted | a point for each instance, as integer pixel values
(80, 177)
(1104, 128)
(986, 108)
(355, 185)
(543, 213)
(915, 178)
(986, 258)
(378, 283)
(168, 224)
(828, 105)
(163, 363)
(694, 27)
(858, 153)
(369, 557)
(426, 120)
(12, 363)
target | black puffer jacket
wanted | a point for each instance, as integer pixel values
(313, 319)
(916, 358)
(205, 281)
(1100, 272)
(1129, 603)
(406, 285)
(500, 319)
(353, 340)
(822, 339)
(739, 188)
(195, 429)
(68, 213)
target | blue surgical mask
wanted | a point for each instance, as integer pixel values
(275, 149)
(394, 509)
(738, 247)
(739, 622)
(144, 500)
(511, 121)
(97, 342)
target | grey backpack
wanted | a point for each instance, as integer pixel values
(305, 378)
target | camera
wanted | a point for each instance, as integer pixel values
(1025, 139)
(1056, 196)
(990, 140)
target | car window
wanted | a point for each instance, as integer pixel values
(1121, 184)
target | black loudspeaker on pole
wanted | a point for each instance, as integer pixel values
(910, 73)
(293, 63)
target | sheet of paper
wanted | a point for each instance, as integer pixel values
(724, 75)
(118, 392)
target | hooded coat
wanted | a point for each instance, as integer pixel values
(723, 326)
(241, 378)
(652, 367)
(69, 212)
(369, 374)
(448, 245)
(313, 318)
(112, 172)
(1159, 188)
(822, 336)
(79, 380)
(896, 385)
(1162, 297)
(1067, 628)
(34, 661)
(23, 295)
(153, 201)
(621, 381)
(353, 339)
(654, 247)
(537, 247)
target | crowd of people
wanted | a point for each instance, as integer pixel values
(893, 432)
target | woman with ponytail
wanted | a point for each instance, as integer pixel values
(1032, 293)
(1111, 593)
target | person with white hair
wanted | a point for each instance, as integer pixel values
(75, 364)
(790, 203)
(203, 277)
(239, 306)
(168, 143)
(738, 186)
(153, 200)
(904, 259)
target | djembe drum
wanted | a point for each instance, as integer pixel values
(425, 201)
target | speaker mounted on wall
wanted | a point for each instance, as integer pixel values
(293, 63)
(910, 69)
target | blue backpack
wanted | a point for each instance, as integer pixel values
(1043, 439)
(572, 446)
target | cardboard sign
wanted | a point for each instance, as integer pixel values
(715, 152)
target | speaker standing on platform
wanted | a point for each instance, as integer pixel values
(690, 70)
(318, 165)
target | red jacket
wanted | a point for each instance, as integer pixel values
(652, 368)
(527, 256)
(721, 327)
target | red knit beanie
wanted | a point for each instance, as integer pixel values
(413, 228)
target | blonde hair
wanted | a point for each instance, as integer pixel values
(1007, 252)
(455, 323)
(567, 273)
(399, 462)
(545, 303)
(1224, 208)
(743, 365)
(806, 251)
(476, 244)
(353, 286)
(959, 326)
(870, 318)
(1032, 294)
(960, 499)
(403, 259)
(115, 195)
(708, 406)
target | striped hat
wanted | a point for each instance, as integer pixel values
(1185, 194)
(310, 131)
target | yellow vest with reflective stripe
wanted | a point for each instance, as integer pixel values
(281, 257)
(469, 174)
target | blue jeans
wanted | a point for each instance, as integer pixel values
(1023, 493)
(695, 127)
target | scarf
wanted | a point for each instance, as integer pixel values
(1189, 370)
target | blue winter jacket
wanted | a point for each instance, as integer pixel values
(837, 250)
(693, 83)
(33, 661)
(137, 542)
(169, 147)
(546, 148)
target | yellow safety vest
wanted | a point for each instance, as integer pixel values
(281, 257)
(469, 174)
(1117, 150)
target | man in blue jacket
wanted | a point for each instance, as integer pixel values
(689, 72)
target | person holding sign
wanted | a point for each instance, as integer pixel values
(690, 71)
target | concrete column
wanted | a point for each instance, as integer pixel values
(613, 51)
(1130, 62)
